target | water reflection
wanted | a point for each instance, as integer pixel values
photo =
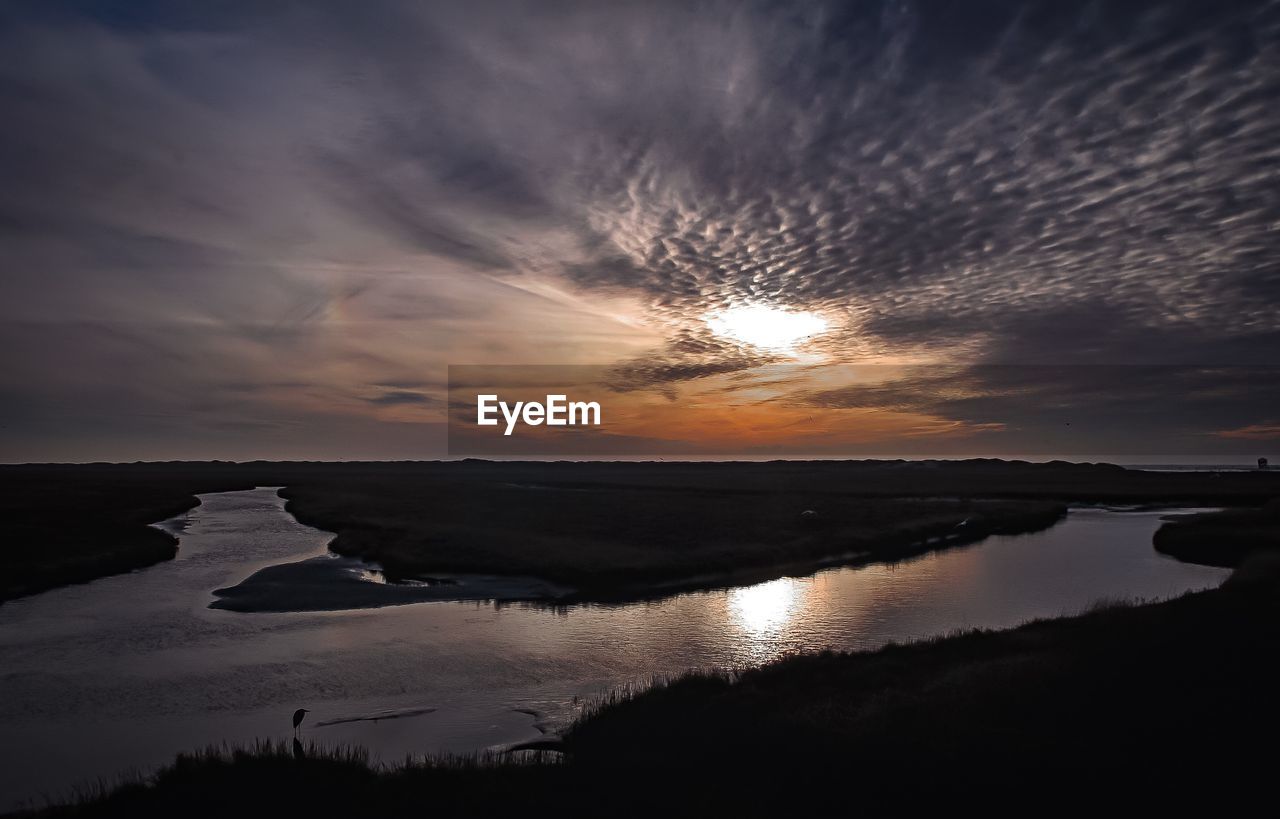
(137, 665)
(765, 609)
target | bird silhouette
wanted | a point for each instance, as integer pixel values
(297, 719)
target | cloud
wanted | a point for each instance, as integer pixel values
(1069, 162)
(647, 373)
(396, 398)
(343, 197)
(1072, 408)
(1254, 432)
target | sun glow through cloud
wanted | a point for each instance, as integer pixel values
(770, 328)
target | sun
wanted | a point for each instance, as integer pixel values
(770, 328)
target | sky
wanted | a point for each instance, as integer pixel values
(245, 230)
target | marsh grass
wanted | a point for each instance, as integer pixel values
(270, 776)
(1221, 538)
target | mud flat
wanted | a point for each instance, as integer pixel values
(333, 583)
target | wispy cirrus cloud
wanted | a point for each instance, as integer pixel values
(1253, 432)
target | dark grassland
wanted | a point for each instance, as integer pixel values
(611, 529)
(1221, 538)
(623, 541)
(1162, 707)
(72, 524)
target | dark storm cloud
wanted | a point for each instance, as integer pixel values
(326, 190)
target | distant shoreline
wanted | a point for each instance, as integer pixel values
(598, 527)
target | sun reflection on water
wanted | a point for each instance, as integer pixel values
(765, 609)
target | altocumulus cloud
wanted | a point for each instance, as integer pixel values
(246, 215)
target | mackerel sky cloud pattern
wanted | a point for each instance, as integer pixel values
(230, 230)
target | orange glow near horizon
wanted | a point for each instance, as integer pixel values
(771, 408)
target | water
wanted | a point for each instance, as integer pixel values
(126, 671)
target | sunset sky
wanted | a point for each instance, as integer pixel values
(265, 230)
